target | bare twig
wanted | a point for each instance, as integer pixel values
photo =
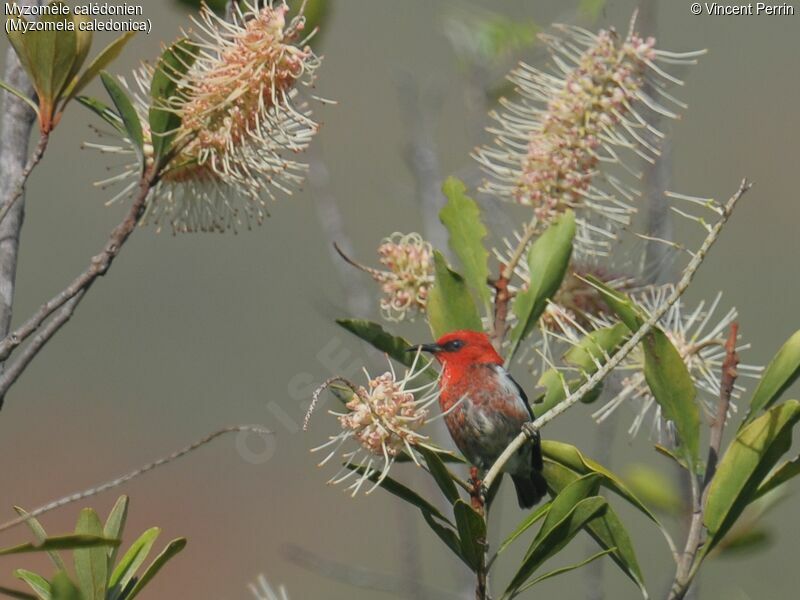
(531, 428)
(68, 299)
(104, 487)
(687, 567)
(33, 161)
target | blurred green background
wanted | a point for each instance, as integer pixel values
(190, 333)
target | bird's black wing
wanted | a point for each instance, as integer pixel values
(536, 455)
(522, 395)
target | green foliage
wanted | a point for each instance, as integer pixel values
(781, 372)
(548, 259)
(95, 548)
(450, 305)
(665, 372)
(471, 532)
(374, 334)
(655, 489)
(744, 466)
(126, 113)
(462, 218)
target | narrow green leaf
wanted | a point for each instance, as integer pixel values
(374, 334)
(566, 498)
(175, 61)
(450, 305)
(11, 593)
(462, 218)
(404, 493)
(781, 372)
(562, 570)
(471, 531)
(556, 388)
(40, 535)
(788, 470)
(62, 542)
(440, 474)
(105, 112)
(101, 62)
(91, 564)
(530, 519)
(655, 488)
(746, 541)
(130, 119)
(548, 259)
(593, 349)
(37, 583)
(173, 548)
(115, 524)
(747, 461)
(665, 372)
(62, 588)
(553, 539)
(20, 94)
(133, 559)
(446, 534)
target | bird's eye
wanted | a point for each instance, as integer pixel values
(453, 345)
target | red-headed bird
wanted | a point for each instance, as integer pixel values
(485, 409)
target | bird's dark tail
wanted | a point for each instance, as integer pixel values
(531, 488)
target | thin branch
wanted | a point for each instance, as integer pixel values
(530, 429)
(33, 161)
(70, 297)
(104, 487)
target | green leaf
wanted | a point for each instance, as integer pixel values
(747, 541)
(63, 589)
(132, 560)
(556, 387)
(665, 372)
(562, 570)
(553, 537)
(173, 548)
(91, 564)
(446, 534)
(12, 593)
(567, 497)
(548, 259)
(62, 542)
(441, 474)
(40, 535)
(378, 337)
(788, 470)
(530, 519)
(130, 119)
(105, 112)
(781, 372)
(404, 493)
(745, 464)
(175, 61)
(593, 349)
(462, 218)
(450, 305)
(472, 532)
(36, 582)
(115, 524)
(101, 62)
(654, 488)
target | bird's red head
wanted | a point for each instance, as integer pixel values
(463, 348)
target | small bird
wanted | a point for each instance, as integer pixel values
(485, 409)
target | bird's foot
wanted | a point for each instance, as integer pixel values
(532, 432)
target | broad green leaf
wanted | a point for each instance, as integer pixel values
(83, 43)
(747, 541)
(105, 112)
(548, 259)
(130, 119)
(654, 488)
(175, 61)
(173, 548)
(471, 531)
(404, 493)
(788, 470)
(593, 349)
(450, 305)
(36, 582)
(745, 464)
(101, 62)
(462, 218)
(781, 372)
(440, 474)
(446, 534)
(133, 559)
(562, 570)
(556, 387)
(40, 535)
(91, 564)
(665, 372)
(679, 460)
(373, 333)
(62, 542)
(526, 523)
(115, 524)
(62, 588)
(566, 498)
(552, 540)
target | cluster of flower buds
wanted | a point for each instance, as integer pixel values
(405, 284)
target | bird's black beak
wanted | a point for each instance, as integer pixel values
(432, 348)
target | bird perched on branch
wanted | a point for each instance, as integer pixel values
(485, 409)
